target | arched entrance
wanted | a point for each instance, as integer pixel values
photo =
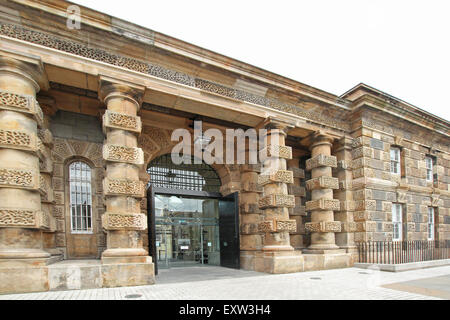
(190, 222)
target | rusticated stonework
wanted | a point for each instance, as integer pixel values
(323, 204)
(321, 160)
(277, 200)
(123, 154)
(122, 121)
(18, 140)
(323, 226)
(20, 218)
(124, 187)
(278, 151)
(134, 221)
(21, 103)
(277, 226)
(323, 182)
(280, 176)
(18, 178)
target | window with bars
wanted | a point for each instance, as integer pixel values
(396, 222)
(395, 160)
(429, 165)
(430, 223)
(197, 177)
(80, 197)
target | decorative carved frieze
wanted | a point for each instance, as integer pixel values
(321, 160)
(22, 218)
(134, 188)
(19, 178)
(280, 176)
(14, 139)
(277, 200)
(128, 221)
(23, 104)
(122, 121)
(323, 226)
(323, 182)
(323, 204)
(80, 49)
(118, 153)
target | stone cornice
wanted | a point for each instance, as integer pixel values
(405, 112)
(135, 32)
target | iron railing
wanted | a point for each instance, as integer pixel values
(395, 252)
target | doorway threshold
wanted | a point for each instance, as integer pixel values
(202, 273)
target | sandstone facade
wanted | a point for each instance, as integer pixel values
(110, 95)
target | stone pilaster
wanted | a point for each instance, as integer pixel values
(122, 186)
(297, 213)
(250, 216)
(21, 185)
(46, 187)
(345, 238)
(277, 254)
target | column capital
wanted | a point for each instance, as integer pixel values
(26, 66)
(275, 124)
(112, 87)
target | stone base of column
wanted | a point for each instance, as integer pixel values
(279, 262)
(329, 260)
(128, 274)
(122, 267)
(247, 260)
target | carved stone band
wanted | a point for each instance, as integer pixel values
(117, 120)
(277, 151)
(23, 218)
(23, 104)
(134, 188)
(321, 160)
(127, 221)
(14, 139)
(277, 226)
(323, 226)
(117, 153)
(323, 182)
(277, 200)
(280, 176)
(323, 204)
(19, 178)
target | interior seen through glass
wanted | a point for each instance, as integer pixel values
(187, 231)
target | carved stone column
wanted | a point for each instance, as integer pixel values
(122, 186)
(277, 255)
(345, 239)
(322, 204)
(21, 217)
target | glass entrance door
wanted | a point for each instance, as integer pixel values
(186, 230)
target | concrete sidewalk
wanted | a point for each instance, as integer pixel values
(229, 284)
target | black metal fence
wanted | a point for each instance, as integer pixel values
(394, 252)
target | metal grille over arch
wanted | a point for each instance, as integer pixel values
(196, 177)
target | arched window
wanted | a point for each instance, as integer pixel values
(198, 177)
(80, 197)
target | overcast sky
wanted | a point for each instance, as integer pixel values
(400, 47)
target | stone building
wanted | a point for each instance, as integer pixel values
(89, 197)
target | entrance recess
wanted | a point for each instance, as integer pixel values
(190, 222)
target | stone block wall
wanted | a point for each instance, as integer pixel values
(376, 189)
